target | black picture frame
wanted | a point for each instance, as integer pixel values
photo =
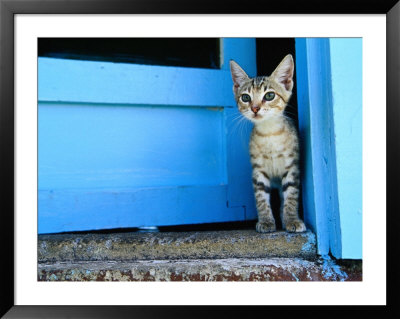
(8, 10)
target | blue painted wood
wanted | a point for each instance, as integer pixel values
(304, 116)
(76, 81)
(124, 145)
(346, 75)
(240, 188)
(317, 136)
(83, 209)
(329, 73)
(87, 146)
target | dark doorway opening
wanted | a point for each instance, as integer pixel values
(270, 52)
(186, 52)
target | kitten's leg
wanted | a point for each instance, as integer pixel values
(290, 205)
(262, 190)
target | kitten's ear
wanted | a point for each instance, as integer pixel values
(284, 72)
(238, 75)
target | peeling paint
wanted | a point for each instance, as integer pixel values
(332, 270)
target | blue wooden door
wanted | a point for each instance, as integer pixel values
(127, 145)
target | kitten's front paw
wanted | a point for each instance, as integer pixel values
(265, 227)
(295, 226)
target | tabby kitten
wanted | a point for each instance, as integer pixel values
(274, 146)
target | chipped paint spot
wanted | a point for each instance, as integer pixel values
(108, 244)
(331, 270)
(309, 245)
(53, 277)
(295, 277)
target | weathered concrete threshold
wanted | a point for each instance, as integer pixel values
(234, 255)
(175, 245)
(232, 269)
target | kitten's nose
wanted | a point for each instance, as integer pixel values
(255, 109)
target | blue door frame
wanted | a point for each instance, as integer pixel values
(329, 84)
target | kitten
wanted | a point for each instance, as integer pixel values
(274, 146)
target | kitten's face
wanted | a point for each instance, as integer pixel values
(263, 97)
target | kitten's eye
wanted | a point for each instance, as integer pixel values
(246, 98)
(269, 96)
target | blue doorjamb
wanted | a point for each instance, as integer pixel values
(329, 82)
(316, 132)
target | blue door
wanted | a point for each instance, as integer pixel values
(129, 145)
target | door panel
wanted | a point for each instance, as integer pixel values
(83, 209)
(75, 81)
(97, 146)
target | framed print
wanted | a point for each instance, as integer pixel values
(66, 81)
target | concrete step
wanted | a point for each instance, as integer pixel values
(230, 269)
(175, 245)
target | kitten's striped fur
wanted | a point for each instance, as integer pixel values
(274, 147)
